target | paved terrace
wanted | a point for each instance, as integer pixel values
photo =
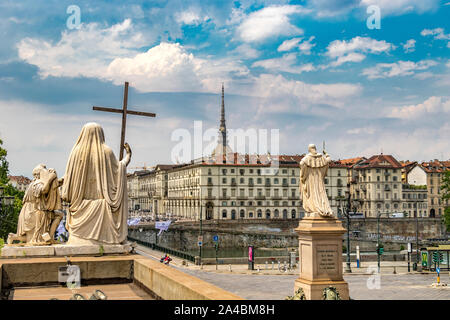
(274, 285)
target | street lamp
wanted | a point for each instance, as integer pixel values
(378, 238)
(201, 230)
(346, 212)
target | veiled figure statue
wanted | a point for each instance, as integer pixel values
(41, 210)
(95, 187)
(313, 169)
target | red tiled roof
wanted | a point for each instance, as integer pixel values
(436, 166)
(20, 179)
(352, 161)
(380, 161)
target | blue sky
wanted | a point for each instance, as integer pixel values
(312, 69)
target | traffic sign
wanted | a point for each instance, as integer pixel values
(200, 238)
(438, 270)
(216, 238)
(200, 243)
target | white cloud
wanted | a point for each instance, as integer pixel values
(112, 54)
(269, 22)
(289, 44)
(399, 7)
(433, 105)
(424, 75)
(350, 57)
(409, 46)
(306, 46)
(297, 94)
(84, 52)
(352, 50)
(246, 51)
(400, 68)
(437, 33)
(169, 67)
(363, 130)
(332, 8)
(285, 64)
(189, 17)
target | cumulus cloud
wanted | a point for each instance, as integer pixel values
(297, 93)
(306, 46)
(287, 63)
(437, 34)
(397, 69)
(409, 46)
(169, 67)
(112, 54)
(303, 46)
(246, 51)
(433, 105)
(289, 44)
(189, 17)
(84, 52)
(269, 22)
(355, 49)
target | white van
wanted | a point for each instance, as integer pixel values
(398, 215)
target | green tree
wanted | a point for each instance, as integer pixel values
(445, 186)
(4, 167)
(9, 215)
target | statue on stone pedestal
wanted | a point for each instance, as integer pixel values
(313, 169)
(95, 187)
(41, 210)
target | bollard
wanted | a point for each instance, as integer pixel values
(272, 265)
(395, 271)
(266, 265)
(201, 266)
(229, 266)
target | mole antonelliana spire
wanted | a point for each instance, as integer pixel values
(223, 127)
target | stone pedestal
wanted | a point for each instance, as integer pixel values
(320, 249)
(24, 251)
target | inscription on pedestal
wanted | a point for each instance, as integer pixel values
(327, 259)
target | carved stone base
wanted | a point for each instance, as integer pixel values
(320, 249)
(23, 251)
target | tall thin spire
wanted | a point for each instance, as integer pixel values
(223, 127)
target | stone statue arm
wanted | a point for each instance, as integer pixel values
(327, 156)
(48, 183)
(129, 153)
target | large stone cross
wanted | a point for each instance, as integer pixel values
(124, 111)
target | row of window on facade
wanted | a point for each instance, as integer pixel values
(259, 192)
(251, 171)
(258, 181)
(186, 203)
(259, 214)
(379, 179)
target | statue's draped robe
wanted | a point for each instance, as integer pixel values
(95, 186)
(37, 211)
(313, 169)
(27, 219)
